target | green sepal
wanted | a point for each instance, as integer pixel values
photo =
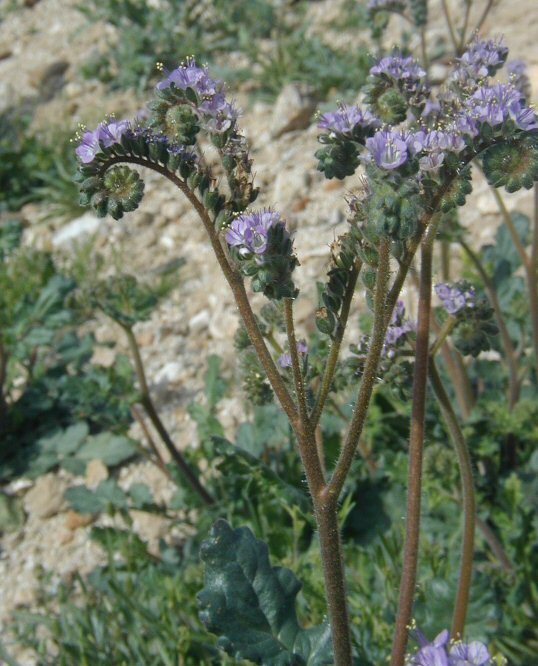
(513, 164)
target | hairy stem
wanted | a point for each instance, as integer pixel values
(295, 363)
(416, 441)
(349, 447)
(147, 402)
(334, 576)
(334, 352)
(235, 281)
(469, 503)
(509, 351)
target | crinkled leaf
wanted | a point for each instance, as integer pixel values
(251, 605)
(110, 449)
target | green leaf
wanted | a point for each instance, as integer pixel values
(11, 513)
(110, 449)
(83, 500)
(215, 386)
(251, 605)
(71, 438)
(140, 495)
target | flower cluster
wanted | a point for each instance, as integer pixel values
(481, 59)
(493, 106)
(347, 121)
(455, 298)
(284, 360)
(440, 652)
(262, 246)
(249, 232)
(204, 95)
(104, 135)
(400, 68)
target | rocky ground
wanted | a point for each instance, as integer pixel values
(40, 50)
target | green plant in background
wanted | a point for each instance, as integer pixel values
(35, 170)
(275, 39)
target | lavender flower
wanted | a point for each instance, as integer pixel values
(399, 68)
(249, 231)
(472, 654)
(455, 298)
(402, 71)
(388, 149)
(495, 104)
(397, 328)
(481, 59)
(190, 75)
(517, 74)
(431, 654)
(344, 121)
(104, 135)
(284, 360)
(215, 112)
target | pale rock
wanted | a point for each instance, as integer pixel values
(172, 209)
(77, 229)
(96, 471)
(171, 373)
(103, 356)
(293, 110)
(223, 324)
(46, 498)
(199, 322)
(486, 204)
(288, 186)
(438, 73)
(74, 520)
(150, 527)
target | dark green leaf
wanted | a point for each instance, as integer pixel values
(251, 605)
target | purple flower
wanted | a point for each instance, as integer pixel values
(190, 75)
(344, 121)
(88, 147)
(455, 298)
(388, 149)
(105, 134)
(497, 103)
(481, 59)
(517, 74)
(397, 328)
(472, 654)
(249, 231)
(284, 360)
(217, 113)
(399, 68)
(431, 654)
